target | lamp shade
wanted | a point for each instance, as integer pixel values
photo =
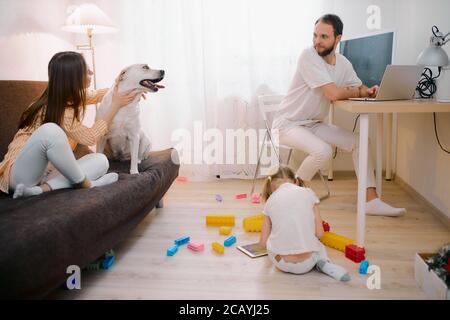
(433, 56)
(88, 17)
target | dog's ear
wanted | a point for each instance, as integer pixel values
(121, 76)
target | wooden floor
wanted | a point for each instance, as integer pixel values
(142, 270)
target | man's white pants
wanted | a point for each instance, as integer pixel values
(316, 140)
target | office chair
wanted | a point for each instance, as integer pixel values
(268, 104)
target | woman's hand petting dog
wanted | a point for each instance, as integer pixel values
(121, 99)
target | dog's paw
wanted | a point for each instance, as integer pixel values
(134, 171)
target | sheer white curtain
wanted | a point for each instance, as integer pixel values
(218, 55)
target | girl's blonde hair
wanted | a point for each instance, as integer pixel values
(284, 173)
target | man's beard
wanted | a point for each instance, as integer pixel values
(326, 52)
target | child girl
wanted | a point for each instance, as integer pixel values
(50, 129)
(292, 227)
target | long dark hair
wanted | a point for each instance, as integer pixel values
(67, 76)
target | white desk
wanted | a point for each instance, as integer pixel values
(364, 108)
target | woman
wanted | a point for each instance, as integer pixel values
(51, 128)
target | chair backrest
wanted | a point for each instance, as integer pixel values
(268, 105)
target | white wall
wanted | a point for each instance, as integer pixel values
(30, 33)
(420, 162)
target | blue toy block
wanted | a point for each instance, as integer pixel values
(229, 241)
(182, 240)
(108, 262)
(363, 267)
(109, 253)
(172, 250)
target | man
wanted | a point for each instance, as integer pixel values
(324, 76)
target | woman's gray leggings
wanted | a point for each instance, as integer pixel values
(49, 143)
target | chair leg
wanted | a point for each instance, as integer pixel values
(289, 157)
(325, 185)
(258, 164)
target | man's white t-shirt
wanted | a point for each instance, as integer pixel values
(305, 102)
(291, 211)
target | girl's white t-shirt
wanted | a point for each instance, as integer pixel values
(291, 211)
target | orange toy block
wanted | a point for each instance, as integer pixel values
(336, 241)
(224, 230)
(253, 223)
(220, 220)
(217, 247)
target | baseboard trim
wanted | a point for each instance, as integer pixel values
(417, 196)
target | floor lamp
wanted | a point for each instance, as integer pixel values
(88, 18)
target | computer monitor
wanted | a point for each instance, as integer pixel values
(369, 55)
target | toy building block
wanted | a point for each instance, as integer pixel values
(110, 253)
(172, 250)
(217, 247)
(219, 198)
(253, 223)
(355, 253)
(241, 196)
(326, 226)
(229, 241)
(220, 220)
(196, 246)
(181, 179)
(364, 265)
(256, 197)
(225, 230)
(336, 241)
(182, 240)
(108, 262)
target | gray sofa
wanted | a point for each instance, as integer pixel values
(41, 236)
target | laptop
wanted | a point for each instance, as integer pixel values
(399, 83)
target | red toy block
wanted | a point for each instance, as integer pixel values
(181, 179)
(241, 196)
(448, 264)
(326, 226)
(355, 253)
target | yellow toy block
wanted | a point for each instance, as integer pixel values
(217, 247)
(225, 230)
(220, 220)
(253, 223)
(336, 241)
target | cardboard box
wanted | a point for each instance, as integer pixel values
(433, 286)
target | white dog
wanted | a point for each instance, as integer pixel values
(125, 139)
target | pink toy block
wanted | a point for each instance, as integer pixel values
(256, 198)
(355, 253)
(196, 246)
(241, 196)
(181, 178)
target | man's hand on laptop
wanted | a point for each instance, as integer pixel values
(365, 92)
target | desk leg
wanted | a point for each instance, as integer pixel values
(379, 152)
(389, 147)
(330, 121)
(362, 180)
